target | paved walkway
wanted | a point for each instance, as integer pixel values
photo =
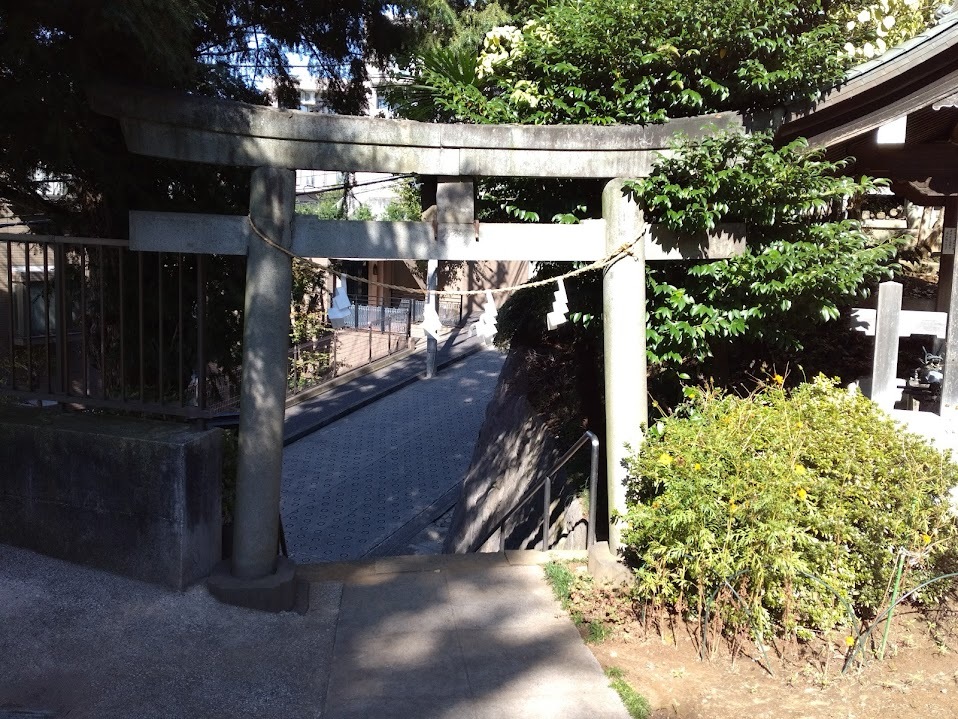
(305, 418)
(451, 636)
(365, 483)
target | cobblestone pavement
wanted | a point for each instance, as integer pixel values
(352, 485)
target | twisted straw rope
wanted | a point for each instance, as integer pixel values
(622, 251)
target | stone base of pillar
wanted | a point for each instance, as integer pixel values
(277, 592)
(607, 568)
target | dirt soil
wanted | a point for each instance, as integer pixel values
(918, 676)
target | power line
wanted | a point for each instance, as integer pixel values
(341, 187)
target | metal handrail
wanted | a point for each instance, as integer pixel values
(546, 483)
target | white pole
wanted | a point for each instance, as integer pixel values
(432, 345)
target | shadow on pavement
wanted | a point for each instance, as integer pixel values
(464, 637)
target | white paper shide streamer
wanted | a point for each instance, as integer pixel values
(431, 324)
(340, 307)
(486, 326)
(560, 307)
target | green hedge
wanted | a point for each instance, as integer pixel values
(798, 501)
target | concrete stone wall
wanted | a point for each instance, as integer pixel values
(135, 497)
(490, 275)
(514, 449)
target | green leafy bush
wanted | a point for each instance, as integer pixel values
(804, 259)
(799, 502)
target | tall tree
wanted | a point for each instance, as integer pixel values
(51, 49)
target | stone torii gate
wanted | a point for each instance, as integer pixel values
(189, 128)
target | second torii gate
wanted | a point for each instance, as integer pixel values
(189, 128)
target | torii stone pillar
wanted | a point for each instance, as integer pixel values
(256, 576)
(455, 205)
(623, 335)
(948, 302)
(263, 387)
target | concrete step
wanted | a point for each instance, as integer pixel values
(453, 635)
(476, 562)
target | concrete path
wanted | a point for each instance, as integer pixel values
(308, 416)
(464, 636)
(367, 482)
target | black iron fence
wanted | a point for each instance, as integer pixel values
(88, 322)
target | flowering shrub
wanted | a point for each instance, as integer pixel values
(875, 27)
(800, 501)
(501, 47)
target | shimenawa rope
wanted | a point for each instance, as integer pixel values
(620, 252)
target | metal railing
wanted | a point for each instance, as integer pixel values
(90, 323)
(86, 321)
(378, 315)
(401, 311)
(449, 310)
(546, 485)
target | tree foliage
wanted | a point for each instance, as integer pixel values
(609, 61)
(803, 260)
(873, 27)
(460, 25)
(406, 204)
(51, 49)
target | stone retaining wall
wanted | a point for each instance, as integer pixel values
(135, 497)
(514, 450)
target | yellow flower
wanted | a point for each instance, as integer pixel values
(801, 494)
(696, 466)
(849, 641)
(926, 539)
(732, 506)
(799, 469)
(665, 459)
(778, 379)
